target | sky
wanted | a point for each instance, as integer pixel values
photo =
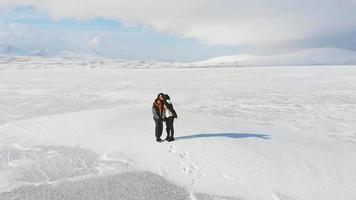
(174, 30)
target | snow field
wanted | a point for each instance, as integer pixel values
(251, 133)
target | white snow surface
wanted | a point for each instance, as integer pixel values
(272, 133)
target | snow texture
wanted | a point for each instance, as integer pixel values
(272, 133)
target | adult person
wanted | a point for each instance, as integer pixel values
(158, 116)
(169, 114)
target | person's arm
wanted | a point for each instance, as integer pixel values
(174, 112)
(155, 114)
(170, 107)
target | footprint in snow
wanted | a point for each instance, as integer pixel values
(224, 176)
(171, 149)
(188, 170)
(185, 169)
(184, 155)
(181, 163)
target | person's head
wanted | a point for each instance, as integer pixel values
(160, 96)
(166, 96)
(158, 101)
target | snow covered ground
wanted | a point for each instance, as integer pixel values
(275, 133)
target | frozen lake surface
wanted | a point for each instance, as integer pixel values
(249, 133)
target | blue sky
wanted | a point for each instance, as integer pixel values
(174, 30)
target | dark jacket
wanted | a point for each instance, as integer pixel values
(169, 105)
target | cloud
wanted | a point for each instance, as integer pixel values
(23, 39)
(12, 29)
(93, 42)
(224, 22)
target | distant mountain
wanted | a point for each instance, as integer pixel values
(41, 52)
(14, 51)
(320, 56)
(7, 50)
(10, 50)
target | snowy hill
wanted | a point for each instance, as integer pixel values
(78, 61)
(8, 50)
(321, 56)
(68, 59)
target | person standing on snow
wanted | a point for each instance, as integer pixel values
(169, 114)
(158, 115)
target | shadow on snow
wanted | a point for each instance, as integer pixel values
(227, 135)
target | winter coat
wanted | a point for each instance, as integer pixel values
(169, 110)
(158, 110)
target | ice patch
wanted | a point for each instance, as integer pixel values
(50, 164)
(134, 185)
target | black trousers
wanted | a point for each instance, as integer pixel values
(169, 127)
(159, 128)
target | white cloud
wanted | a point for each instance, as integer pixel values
(226, 22)
(93, 42)
(15, 29)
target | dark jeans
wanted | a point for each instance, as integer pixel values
(159, 128)
(169, 127)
